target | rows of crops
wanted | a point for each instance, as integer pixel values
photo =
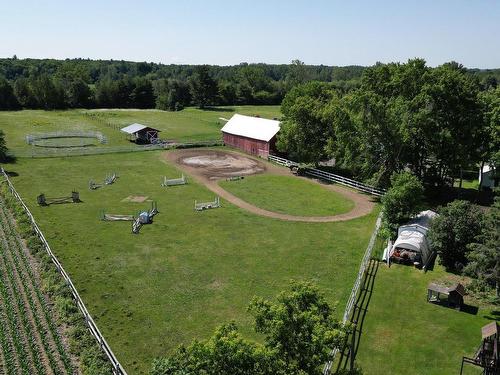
(29, 338)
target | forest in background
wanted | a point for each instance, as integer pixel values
(84, 83)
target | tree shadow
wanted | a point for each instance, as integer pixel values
(494, 315)
(217, 109)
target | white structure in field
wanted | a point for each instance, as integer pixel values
(487, 178)
(412, 245)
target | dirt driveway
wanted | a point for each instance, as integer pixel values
(208, 166)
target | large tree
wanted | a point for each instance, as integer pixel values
(306, 128)
(203, 87)
(3, 147)
(299, 330)
(402, 201)
(484, 255)
(299, 326)
(7, 98)
(451, 233)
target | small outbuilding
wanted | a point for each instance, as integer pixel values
(489, 177)
(487, 355)
(412, 245)
(454, 295)
(254, 135)
(141, 133)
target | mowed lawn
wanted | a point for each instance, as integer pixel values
(289, 195)
(189, 271)
(190, 124)
(404, 334)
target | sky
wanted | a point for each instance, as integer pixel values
(356, 32)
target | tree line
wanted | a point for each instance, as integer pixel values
(85, 83)
(434, 122)
(78, 83)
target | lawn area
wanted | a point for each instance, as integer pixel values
(187, 272)
(404, 334)
(189, 124)
(289, 195)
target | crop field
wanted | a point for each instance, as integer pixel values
(188, 125)
(404, 334)
(30, 341)
(188, 271)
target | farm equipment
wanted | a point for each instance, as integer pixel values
(108, 180)
(175, 181)
(207, 205)
(144, 217)
(42, 200)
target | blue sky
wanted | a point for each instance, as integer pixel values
(229, 32)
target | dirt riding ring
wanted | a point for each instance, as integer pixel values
(210, 166)
(66, 139)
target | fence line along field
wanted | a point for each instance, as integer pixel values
(188, 271)
(188, 125)
(30, 340)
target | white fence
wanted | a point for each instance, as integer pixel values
(330, 177)
(31, 138)
(355, 289)
(117, 367)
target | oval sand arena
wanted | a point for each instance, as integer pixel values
(210, 166)
(218, 164)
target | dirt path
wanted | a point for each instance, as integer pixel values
(363, 204)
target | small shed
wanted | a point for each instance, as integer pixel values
(254, 135)
(455, 294)
(412, 245)
(141, 133)
(487, 355)
(489, 177)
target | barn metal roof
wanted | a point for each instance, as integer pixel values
(134, 128)
(252, 127)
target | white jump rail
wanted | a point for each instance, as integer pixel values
(330, 177)
(117, 367)
(355, 290)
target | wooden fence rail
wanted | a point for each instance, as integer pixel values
(117, 367)
(355, 289)
(332, 177)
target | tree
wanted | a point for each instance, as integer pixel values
(299, 333)
(225, 353)
(305, 129)
(172, 95)
(484, 255)
(142, 94)
(48, 92)
(203, 87)
(299, 326)
(7, 98)
(402, 201)
(78, 94)
(457, 226)
(297, 74)
(3, 147)
(24, 93)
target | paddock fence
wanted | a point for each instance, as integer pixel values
(94, 330)
(355, 289)
(331, 177)
(43, 152)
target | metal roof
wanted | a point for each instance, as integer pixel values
(252, 127)
(134, 128)
(489, 330)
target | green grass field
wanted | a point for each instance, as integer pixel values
(288, 195)
(191, 124)
(189, 271)
(404, 334)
